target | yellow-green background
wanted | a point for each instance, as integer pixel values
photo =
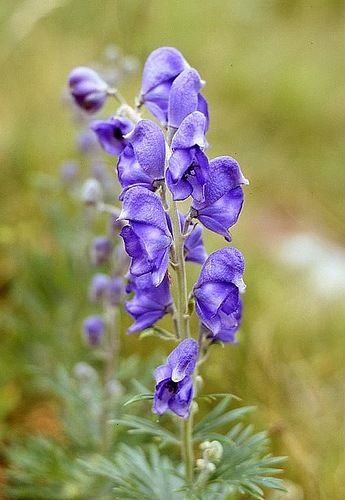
(275, 73)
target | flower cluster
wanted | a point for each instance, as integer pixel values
(159, 164)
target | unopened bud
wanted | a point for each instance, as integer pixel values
(205, 466)
(214, 451)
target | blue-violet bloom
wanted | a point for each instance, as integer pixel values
(94, 328)
(188, 168)
(194, 249)
(150, 303)
(161, 68)
(147, 237)
(88, 89)
(174, 385)
(111, 133)
(184, 97)
(143, 160)
(217, 293)
(101, 251)
(98, 289)
(223, 196)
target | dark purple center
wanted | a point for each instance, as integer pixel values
(117, 134)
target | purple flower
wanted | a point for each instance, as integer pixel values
(98, 289)
(188, 167)
(185, 97)
(111, 132)
(94, 328)
(115, 291)
(223, 196)
(143, 160)
(161, 68)
(101, 251)
(174, 385)
(217, 293)
(88, 89)
(194, 249)
(150, 303)
(147, 237)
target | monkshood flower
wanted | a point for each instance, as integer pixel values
(101, 251)
(217, 293)
(150, 303)
(94, 328)
(223, 196)
(98, 289)
(185, 97)
(161, 68)
(111, 132)
(194, 249)
(88, 89)
(143, 160)
(174, 385)
(188, 168)
(147, 237)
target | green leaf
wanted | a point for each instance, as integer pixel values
(218, 417)
(144, 426)
(157, 332)
(139, 397)
(216, 395)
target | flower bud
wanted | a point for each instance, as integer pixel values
(115, 291)
(91, 192)
(205, 466)
(101, 250)
(88, 89)
(94, 327)
(99, 287)
(214, 451)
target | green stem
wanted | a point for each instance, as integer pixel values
(180, 268)
(182, 318)
(187, 451)
(111, 353)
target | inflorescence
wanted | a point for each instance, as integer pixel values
(161, 163)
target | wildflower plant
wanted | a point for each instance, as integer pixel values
(161, 163)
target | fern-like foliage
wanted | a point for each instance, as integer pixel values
(43, 469)
(136, 475)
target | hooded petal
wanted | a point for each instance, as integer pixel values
(182, 359)
(161, 65)
(130, 172)
(191, 132)
(224, 265)
(148, 144)
(183, 98)
(141, 205)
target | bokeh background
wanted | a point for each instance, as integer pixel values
(275, 73)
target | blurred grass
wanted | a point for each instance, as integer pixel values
(275, 74)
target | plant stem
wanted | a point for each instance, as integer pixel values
(188, 452)
(182, 319)
(181, 278)
(111, 353)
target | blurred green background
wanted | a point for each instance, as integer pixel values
(275, 72)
